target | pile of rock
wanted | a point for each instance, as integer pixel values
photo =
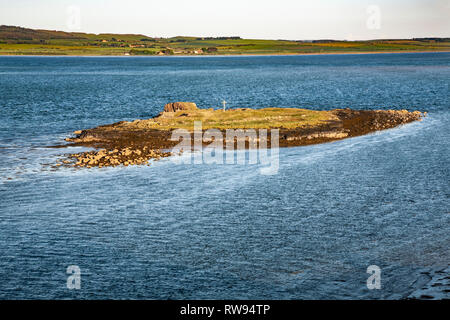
(385, 119)
(116, 157)
(177, 106)
(336, 134)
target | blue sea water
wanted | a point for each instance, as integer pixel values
(171, 231)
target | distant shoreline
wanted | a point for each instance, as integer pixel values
(225, 55)
(18, 41)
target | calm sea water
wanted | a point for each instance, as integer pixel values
(212, 231)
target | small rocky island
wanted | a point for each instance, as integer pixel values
(136, 142)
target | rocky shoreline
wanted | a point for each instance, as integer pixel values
(135, 143)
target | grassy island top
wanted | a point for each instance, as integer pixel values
(267, 118)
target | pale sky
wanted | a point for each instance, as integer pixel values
(256, 19)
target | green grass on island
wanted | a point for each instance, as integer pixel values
(267, 118)
(22, 41)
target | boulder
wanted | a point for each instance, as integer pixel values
(176, 106)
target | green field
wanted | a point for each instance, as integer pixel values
(22, 41)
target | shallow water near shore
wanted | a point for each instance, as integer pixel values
(171, 231)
